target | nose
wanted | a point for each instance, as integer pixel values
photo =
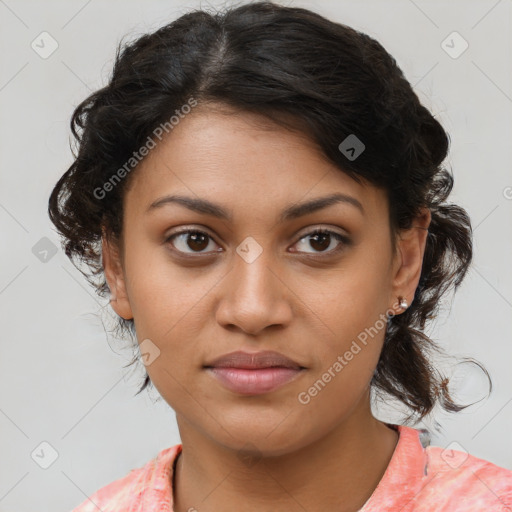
(254, 296)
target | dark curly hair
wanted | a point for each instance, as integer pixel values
(303, 72)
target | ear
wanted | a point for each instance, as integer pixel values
(115, 279)
(409, 259)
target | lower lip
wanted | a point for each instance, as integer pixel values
(254, 382)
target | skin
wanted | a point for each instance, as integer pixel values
(330, 453)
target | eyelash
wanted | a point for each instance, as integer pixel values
(344, 241)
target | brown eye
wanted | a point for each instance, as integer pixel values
(191, 241)
(322, 241)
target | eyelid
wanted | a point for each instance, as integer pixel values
(323, 228)
(190, 229)
(310, 231)
(343, 239)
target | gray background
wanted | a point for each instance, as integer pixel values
(64, 384)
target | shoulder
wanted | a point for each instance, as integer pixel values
(145, 485)
(423, 478)
(465, 482)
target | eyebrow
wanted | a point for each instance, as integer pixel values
(292, 212)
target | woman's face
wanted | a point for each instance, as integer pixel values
(256, 280)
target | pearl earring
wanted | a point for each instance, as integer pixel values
(403, 303)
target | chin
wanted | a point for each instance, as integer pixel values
(270, 439)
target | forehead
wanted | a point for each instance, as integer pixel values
(242, 160)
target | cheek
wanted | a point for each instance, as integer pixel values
(336, 386)
(349, 340)
(161, 293)
(168, 306)
(347, 305)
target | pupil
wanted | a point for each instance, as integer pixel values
(324, 238)
(195, 242)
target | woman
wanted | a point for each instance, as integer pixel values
(260, 192)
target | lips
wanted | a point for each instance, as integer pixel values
(256, 360)
(254, 373)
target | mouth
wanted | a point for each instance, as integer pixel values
(254, 381)
(254, 373)
(253, 360)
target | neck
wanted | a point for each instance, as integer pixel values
(337, 472)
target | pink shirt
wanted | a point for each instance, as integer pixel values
(417, 479)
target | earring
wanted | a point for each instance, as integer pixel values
(403, 303)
